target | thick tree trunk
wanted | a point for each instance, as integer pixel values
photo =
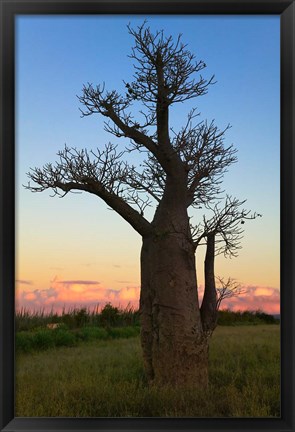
(174, 347)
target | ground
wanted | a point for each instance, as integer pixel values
(105, 379)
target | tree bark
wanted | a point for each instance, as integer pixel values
(175, 348)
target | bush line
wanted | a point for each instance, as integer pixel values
(43, 339)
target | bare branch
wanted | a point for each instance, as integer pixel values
(228, 289)
(177, 63)
(226, 224)
(111, 105)
(201, 148)
(104, 175)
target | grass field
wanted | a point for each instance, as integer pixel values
(104, 378)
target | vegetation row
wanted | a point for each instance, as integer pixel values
(110, 316)
(42, 339)
(34, 330)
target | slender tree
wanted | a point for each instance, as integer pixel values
(180, 169)
(222, 234)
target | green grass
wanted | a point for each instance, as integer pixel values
(105, 378)
(41, 339)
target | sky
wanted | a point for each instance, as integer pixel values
(75, 251)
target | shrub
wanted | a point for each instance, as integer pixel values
(109, 315)
(24, 341)
(81, 317)
(63, 337)
(91, 333)
(43, 339)
(228, 317)
(123, 332)
(267, 319)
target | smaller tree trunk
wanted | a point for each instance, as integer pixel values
(209, 303)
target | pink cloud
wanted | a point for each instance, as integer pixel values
(75, 293)
(255, 298)
(263, 298)
(87, 293)
(30, 296)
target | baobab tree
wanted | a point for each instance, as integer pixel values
(179, 170)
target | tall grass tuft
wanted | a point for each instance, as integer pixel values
(73, 318)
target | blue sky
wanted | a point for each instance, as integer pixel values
(56, 55)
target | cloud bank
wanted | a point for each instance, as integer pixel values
(90, 293)
(263, 298)
(67, 294)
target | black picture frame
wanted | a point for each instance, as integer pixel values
(9, 10)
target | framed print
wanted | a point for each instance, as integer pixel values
(147, 215)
